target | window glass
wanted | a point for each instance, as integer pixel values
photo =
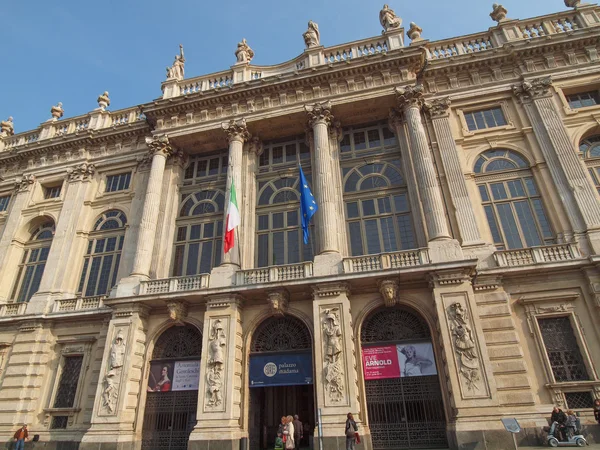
(118, 182)
(4, 202)
(485, 118)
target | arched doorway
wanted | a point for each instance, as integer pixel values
(404, 399)
(172, 398)
(280, 379)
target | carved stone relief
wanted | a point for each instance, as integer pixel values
(531, 89)
(112, 378)
(177, 311)
(81, 172)
(333, 363)
(278, 300)
(389, 291)
(217, 343)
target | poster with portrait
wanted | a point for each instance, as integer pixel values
(161, 377)
(416, 359)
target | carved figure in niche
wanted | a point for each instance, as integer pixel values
(109, 396)
(388, 19)
(243, 52)
(117, 352)
(312, 37)
(214, 387)
(332, 331)
(464, 345)
(333, 368)
(7, 127)
(176, 71)
(216, 360)
(216, 344)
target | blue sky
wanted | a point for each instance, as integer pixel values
(71, 51)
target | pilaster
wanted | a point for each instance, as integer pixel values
(219, 394)
(336, 379)
(252, 152)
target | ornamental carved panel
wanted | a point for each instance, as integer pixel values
(113, 375)
(216, 367)
(334, 376)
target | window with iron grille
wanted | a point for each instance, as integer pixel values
(67, 388)
(579, 400)
(4, 202)
(118, 182)
(59, 422)
(562, 349)
(33, 263)
(583, 99)
(485, 118)
(52, 191)
(103, 255)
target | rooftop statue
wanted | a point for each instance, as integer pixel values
(57, 111)
(244, 53)
(499, 12)
(414, 32)
(176, 71)
(312, 37)
(7, 128)
(103, 101)
(388, 19)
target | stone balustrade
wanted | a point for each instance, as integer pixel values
(382, 261)
(537, 255)
(78, 304)
(13, 309)
(175, 284)
(288, 272)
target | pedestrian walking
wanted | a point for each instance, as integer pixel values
(20, 437)
(351, 430)
(298, 430)
(288, 432)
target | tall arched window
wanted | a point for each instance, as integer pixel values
(33, 263)
(377, 208)
(103, 254)
(511, 200)
(590, 147)
(199, 233)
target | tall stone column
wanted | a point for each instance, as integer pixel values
(336, 379)
(441, 246)
(248, 199)
(219, 392)
(60, 278)
(572, 182)
(9, 249)
(118, 391)
(459, 195)
(161, 149)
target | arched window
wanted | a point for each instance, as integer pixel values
(279, 232)
(33, 263)
(590, 147)
(378, 212)
(511, 200)
(199, 232)
(103, 254)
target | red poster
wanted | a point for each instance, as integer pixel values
(380, 362)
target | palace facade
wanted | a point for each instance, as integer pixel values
(451, 276)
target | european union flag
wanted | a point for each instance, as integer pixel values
(308, 206)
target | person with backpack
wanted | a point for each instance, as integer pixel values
(351, 431)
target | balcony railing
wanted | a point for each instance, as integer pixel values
(395, 260)
(272, 274)
(13, 309)
(79, 303)
(177, 284)
(537, 255)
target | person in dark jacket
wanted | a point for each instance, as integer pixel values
(597, 410)
(298, 430)
(351, 429)
(558, 420)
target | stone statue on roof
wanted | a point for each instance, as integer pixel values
(312, 37)
(103, 101)
(388, 19)
(57, 111)
(176, 71)
(243, 52)
(7, 127)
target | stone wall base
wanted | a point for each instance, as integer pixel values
(227, 444)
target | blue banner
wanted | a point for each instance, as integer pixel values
(281, 369)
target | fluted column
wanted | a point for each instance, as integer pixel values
(574, 187)
(319, 120)
(248, 199)
(237, 134)
(459, 195)
(161, 149)
(410, 102)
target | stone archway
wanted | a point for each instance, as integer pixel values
(172, 398)
(404, 399)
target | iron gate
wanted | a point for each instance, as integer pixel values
(405, 412)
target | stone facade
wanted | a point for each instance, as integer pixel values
(470, 123)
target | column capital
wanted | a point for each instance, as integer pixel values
(179, 158)
(440, 107)
(336, 131)
(80, 172)
(531, 89)
(319, 113)
(160, 145)
(255, 146)
(395, 118)
(236, 130)
(24, 183)
(333, 289)
(409, 96)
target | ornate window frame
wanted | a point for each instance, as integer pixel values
(503, 104)
(101, 191)
(561, 303)
(40, 189)
(567, 89)
(78, 346)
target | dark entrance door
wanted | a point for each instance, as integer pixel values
(280, 336)
(406, 410)
(170, 416)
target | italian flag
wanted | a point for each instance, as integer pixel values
(232, 220)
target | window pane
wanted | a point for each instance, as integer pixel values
(530, 186)
(359, 141)
(470, 122)
(105, 273)
(23, 293)
(278, 248)
(292, 219)
(209, 230)
(195, 232)
(263, 222)
(498, 191)
(181, 232)
(489, 118)
(94, 273)
(290, 153)
(345, 144)
(509, 226)
(213, 166)
(293, 247)
(384, 205)
(115, 271)
(67, 385)
(178, 261)
(192, 259)
(372, 237)
(407, 234)
(374, 139)
(352, 210)
(516, 188)
(368, 207)
(388, 234)
(278, 220)
(489, 212)
(356, 248)
(277, 153)
(206, 257)
(83, 274)
(479, 120)
(389, 138)
(401, 203)
(499, 117)
(484, 193)
(542, 219)
(532, 236)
